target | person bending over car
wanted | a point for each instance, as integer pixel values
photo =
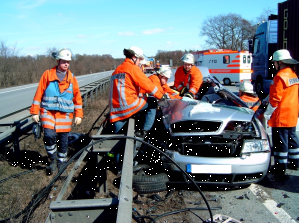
(282, 112)
(160, 80)
(247, 94)
(188, 77)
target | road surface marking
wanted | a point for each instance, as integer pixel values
(271, 205)
(16, 90)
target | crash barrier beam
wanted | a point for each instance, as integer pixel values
(13, 130)
(117, 210)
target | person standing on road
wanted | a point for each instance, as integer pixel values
(125, 84)
(247, 94)
(282, 112)
(188, 77)
(160, 80)
(56, 98)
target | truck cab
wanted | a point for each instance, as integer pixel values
(262, 47)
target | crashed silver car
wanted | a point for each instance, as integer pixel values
(217, 139)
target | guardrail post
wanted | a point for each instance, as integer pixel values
(101, 89)
(91, 95)
(85, 101)
(16, 145)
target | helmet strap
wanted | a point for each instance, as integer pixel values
(134, 61)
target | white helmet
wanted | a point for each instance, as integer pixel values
(246, 87)
(134, 51)
(284, 56)
(63, 54)
(165, 72)
(188, 58)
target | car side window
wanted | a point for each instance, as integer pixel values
(226, 59)
(244, 58)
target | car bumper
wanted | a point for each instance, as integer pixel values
(232, 170)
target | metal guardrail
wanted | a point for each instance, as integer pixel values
(22, 124)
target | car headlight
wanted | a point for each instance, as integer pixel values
(253, 146)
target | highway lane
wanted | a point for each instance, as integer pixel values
(16, 98)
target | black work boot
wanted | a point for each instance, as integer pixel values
(60, 165)
(141, 133)
(52, 168)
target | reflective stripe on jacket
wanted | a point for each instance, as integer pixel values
(53, 119)
(253, 102)
(164, 89)
(55, 101)
(192, 79)
(284, 96)
(126, 82)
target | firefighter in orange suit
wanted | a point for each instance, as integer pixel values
(56, 98)
(160, 80)
(282, 112)
(188, 77)
(247, 94)
(125, 84)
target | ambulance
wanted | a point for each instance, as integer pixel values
(227, 66)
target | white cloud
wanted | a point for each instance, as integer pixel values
(195, 47)
(81, 36)
(126, 33)
(169, 44)
(153, 31)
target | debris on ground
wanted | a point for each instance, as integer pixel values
(218, 218)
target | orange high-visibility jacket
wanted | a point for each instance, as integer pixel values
(164, 89)
(192, 80)
(51, 119)
(125, 84)
(252, 101)
(284, 96)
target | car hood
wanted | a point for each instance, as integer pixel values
(175, 110)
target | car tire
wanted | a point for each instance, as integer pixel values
(150, 184)
(226, 81)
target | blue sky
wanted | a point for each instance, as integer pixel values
(107, 27)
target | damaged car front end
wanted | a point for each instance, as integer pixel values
(217, 139)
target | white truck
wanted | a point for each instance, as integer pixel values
(227, 66)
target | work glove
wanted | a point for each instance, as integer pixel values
(265, 101)
(164, 97)
(35, 118)
(269, 111)
(78, 120)
(183, 91)
(189, 94)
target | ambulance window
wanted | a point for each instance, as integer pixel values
(248, 59)
(244, 58)
(226, 59)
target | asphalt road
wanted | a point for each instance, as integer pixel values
(16, 98)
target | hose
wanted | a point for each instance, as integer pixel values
(184, 210)
(97, 120)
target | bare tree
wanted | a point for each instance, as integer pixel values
(263, 17)
(165, 56)
(227, 32)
